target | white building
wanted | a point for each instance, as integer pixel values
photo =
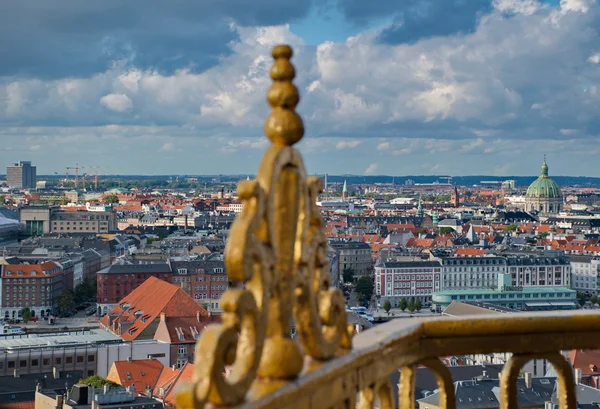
(461, 273)
(551, 269)
(585, 273)
(395, 280)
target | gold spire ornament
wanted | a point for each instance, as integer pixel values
(277, 251)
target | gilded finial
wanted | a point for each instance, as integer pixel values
(283, 125)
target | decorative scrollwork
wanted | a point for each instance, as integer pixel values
(277, 252)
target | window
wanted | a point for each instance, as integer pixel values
(11, 364)
(57, 361)
(22, 363)
(79, 358)
(46, 362)
(91, 358)
(69, 360)
(35, 362)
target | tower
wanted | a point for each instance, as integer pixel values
(345, 192)
(325, 184)
(455, 197)
(419, 208)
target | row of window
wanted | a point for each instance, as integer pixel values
(505, 296)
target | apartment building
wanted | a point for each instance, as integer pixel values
(585, 273)
(355, 256)
(550, 269)
(39, 220)
(36, 286)
(418, 280)
(203, 280)
(471, 272)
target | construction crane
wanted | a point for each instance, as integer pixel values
(77, 167)
(95, 176)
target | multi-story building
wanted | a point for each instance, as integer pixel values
(161, 311)
(585, 273)
(418, 280)
(119, 280)
(39, 220)
(551, 269)
(203, 280)
(36, 286)
(471, 272)
(355, 256)
(21, 175)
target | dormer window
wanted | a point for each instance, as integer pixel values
(20, 272)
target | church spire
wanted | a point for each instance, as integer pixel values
(545, 167)
(345, 191)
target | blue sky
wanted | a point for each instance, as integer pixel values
(414, 87)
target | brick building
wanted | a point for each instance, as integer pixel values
(119, 280)
(407, 279)
(203, 280)
(36, 286)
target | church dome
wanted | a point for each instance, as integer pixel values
(544, 187)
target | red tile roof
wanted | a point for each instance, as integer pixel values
(169, 382)
(29, 269)
(585, 360)
(145, 304)
(142, 374)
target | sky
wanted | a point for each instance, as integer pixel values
(411, 87)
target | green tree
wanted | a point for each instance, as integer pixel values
(411, 305)
(111, 199)
(26, 314)
(65, 302)
(418, 305)
(403, 304)
(594, 299)
(84, 292)
(510, 228)
(97, 382)
(364, 289)
(387, 306)
(446, 230)
(348, 275)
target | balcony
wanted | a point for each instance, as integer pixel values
(277, 248)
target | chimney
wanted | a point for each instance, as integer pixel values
(129, 359)
(198, 316)
(528, 378)
(55, 372)
(59, 402)
(163, 317)
(16, 373)
(106, 388)
(578, 375)
(94, 404)
(484, 375)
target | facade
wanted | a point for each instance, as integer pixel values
(410, 279)
(119, 280)
(355, 256)
(552, 269)
(21, 175)
(37, 286)
(585, 274)
(543, 195)
(510, 296)
(39, 220)
(203, 280)
(471, 272)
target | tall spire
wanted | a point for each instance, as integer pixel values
(545, 167)
(419, 207)
(345, 191)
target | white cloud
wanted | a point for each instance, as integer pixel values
(371, 169)
(347, 144)
(117, 102)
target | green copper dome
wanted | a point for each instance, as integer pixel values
(544, 187)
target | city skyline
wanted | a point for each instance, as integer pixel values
(400, 90)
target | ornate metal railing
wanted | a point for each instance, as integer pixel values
(277, 248)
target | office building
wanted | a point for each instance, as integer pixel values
(395, 280)
(21, 175)
(39, 220)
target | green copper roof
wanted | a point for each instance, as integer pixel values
(544, 187)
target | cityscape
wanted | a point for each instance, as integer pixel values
(300, 205)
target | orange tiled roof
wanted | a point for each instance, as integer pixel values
(469, 251)
(169, 382)
(28, 269)
(142, 374)
(144, 305)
